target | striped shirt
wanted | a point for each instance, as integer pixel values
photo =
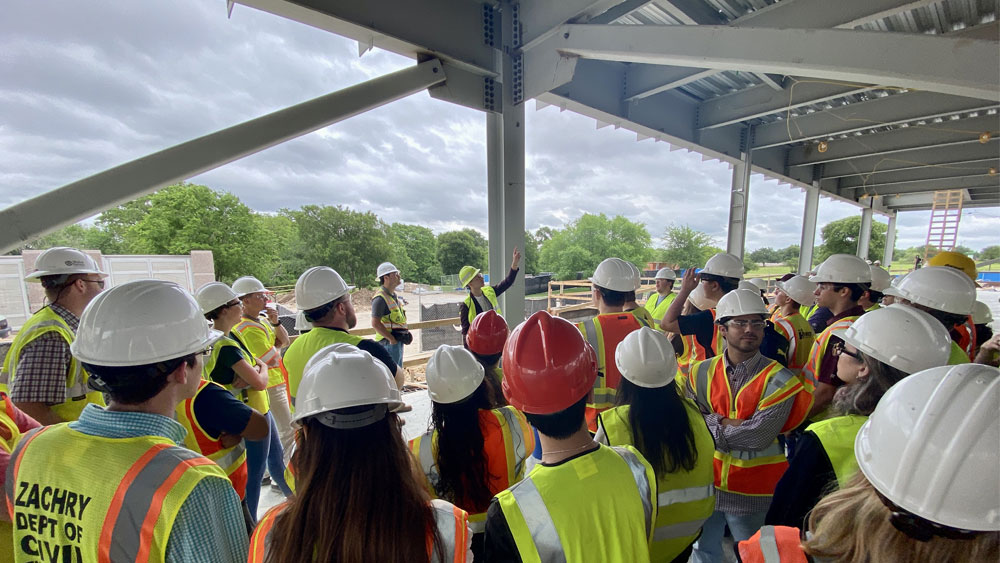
(210, 525)
(43, 365)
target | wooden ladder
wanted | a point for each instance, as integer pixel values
(946, 212)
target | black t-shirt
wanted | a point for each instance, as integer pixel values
(808, 479)
(218, 411)
(228, 357)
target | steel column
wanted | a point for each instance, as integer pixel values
(739, 196)
(513, 157)
(81, 199)
(494, 195)
(809, 213)
(890, 241)
(865, 236)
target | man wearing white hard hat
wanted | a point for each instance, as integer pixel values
(658, 303)
(747, 400)
(116, 485)
(947, 294)
(612, 280)
(872, 298)
(44, 378)
(326, 300)
(631, 306)
(388, 315)
(789, 322)
(840, 281)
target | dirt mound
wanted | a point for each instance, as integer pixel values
(361, 298)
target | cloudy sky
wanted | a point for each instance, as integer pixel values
(85, 86)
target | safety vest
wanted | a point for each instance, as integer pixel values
(601, 505)
(77, 393)
(306, 346)
(746, 472)
(451, 522)
(92, 498)
(697, 351)
(262, 346)
(773, 544)
(7, 443)
(604, 333)
(837, 436)
(396, 319)
(874, 307)
(967, 337)
(657, 311)
(644, 318)
(818, 352)
(957, 355)
(232, 460)
(796, 329)
(507, 443)
(491, 296)
(256, 399)
(807, 310)
(685, 499)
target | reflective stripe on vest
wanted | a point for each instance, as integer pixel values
(837, 436)
(7, 421)
(397, 316)
(232, 460)
(490, 294)
(811, 371)
(643, 317)
(773, 544)
(604, 332)
(967, 337)
(267, 353)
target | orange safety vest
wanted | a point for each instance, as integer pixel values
(232, 460)
(773, 544)
(812, 367)
(604, 333)
(451, 521)
(743, 471)
(967, 337)
(697, 351)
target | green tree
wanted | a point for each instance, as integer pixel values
(459, 248)
(531, 253)
(765, 255)
(841, 237)
(77, 236)
(991, 252)
(964, 250)
(415, 250)
(583, 243)
(115, 223)
(275, 248)
(685, 247)
(352, 242)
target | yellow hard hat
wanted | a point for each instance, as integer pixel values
(955, 260)
(466, 274)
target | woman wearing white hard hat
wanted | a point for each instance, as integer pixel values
(789, 296)
(879, 349)
(669, 431)
(927, 489)
(357, 498)
(471, 451)
(948, 294)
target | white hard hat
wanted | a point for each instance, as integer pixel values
(906, 338)
(247, 285)
(646, 358)
(893, 289)
(740, 302)
(724, 264)
(981, 313)
(759, 283)
(213, 295)
(453, 374)
(843, 268)
(139, 323)
(799, 288)
(341, 376)
(665, 274)
(318, 286)
(638, 275)
(932, 444)
(385, 268)
(940, 288)
(748, 285)
(61, 260)
(881, 279)
(616, 274)
(702, 301)
(301, 323)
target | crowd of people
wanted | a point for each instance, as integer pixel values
(853, 419)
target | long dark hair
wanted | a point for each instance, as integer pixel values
(861, 395)
(660, 426)
(461, 461)
(491, 377)
(352, 487)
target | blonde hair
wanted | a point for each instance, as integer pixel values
(852, 526)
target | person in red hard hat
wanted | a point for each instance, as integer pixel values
(584, 500)
(486, 337)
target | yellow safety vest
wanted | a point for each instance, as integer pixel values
(306, 345)
(807, 310)
(396, 319)
(957, 355)
(77, 392)
(800, 336)
(92, 498)
(262, 346)
(598, 506)
(490, 294)
(837, 436)
(643, 316)
(506, 455)
(657, 311)
(8, 444)
(256, 399)
(873, 308)
(685, 499)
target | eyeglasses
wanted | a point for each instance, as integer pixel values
(100, 283)
(744, 323)
(207, 351)
(841, 348)
(232, 304)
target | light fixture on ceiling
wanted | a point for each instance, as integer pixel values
(985, 137)
(993, 171)
(822, 146)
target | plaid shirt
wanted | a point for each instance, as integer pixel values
(43, 365)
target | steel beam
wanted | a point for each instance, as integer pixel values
(808, 240)
(948, 65)
(897, 141)
(818, 14)
(739, 197)
(619, 10)
(890, 241)
(539, 20)
(983, 180)
(513, 162)
(758, 101)
(642, 81)
(494, 195)
(865, 236)
(923, 175)
(81, 199)
(957, 156)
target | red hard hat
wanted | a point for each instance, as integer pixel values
(487, 334)
(547, 365)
